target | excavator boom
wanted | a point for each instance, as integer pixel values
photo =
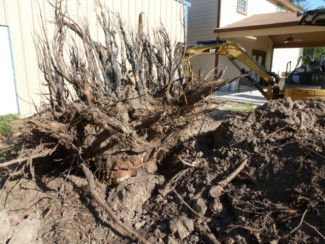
(241, 60)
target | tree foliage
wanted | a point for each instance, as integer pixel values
(313, 54)
(301, 3)
(305, 4)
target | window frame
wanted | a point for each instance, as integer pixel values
(241, 6)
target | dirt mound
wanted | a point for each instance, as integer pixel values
(256, 178)
(278, 197)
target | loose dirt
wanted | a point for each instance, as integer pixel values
(278, 197)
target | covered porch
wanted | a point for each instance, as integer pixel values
(268, 33)
(282, 29)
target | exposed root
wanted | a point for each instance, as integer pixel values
(95, 192)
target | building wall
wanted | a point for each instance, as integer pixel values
(202, 20)
(230, 15)
(23, 19)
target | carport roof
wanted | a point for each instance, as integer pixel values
(277, 27)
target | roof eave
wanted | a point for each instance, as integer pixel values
(289, 5)
(266, 26)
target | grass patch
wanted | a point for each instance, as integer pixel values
(7, 152)
(245, 107)
(5, 124)
(238, 107)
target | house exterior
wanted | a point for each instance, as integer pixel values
(207, 16)
(21, 84)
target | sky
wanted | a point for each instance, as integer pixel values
(312, 4)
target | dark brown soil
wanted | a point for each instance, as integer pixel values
(278, 197)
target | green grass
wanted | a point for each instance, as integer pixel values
(10, 151)
(245, 107)
(5, 124)
(228, 108)
(79, 205)
(239, 107)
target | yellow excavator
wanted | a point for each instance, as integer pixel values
(307, 81)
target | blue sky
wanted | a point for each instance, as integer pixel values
(315, 3)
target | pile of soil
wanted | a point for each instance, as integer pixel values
(277, 197)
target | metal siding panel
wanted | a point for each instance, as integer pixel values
(3, 12)
(179, 21)
(137, 12)
(36, 7)
(168, 17)
(146, 8)
(150, 13)
(202, 21)
(176, 20)
(121, 8)
(14, 22)
(131, 6)
(92, 19)
(23, 17)
(72, 9)
(29, 54)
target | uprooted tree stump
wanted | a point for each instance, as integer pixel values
(114, 106)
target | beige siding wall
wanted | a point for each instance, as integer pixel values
(230, 15)
(202, 20)
(23, 19)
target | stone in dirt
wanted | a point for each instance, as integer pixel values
(13, 230)
(128, 197)
(183, 226)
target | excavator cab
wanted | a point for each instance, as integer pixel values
(313, 17)
(311, 75)
(308, 80)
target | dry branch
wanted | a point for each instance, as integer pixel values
(217, 190)
(205, 230)
(315, 229)
(300, 223)
(42, 154)
(230, 177)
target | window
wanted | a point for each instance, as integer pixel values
(242, 6)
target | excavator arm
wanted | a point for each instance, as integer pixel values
(240, 59)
